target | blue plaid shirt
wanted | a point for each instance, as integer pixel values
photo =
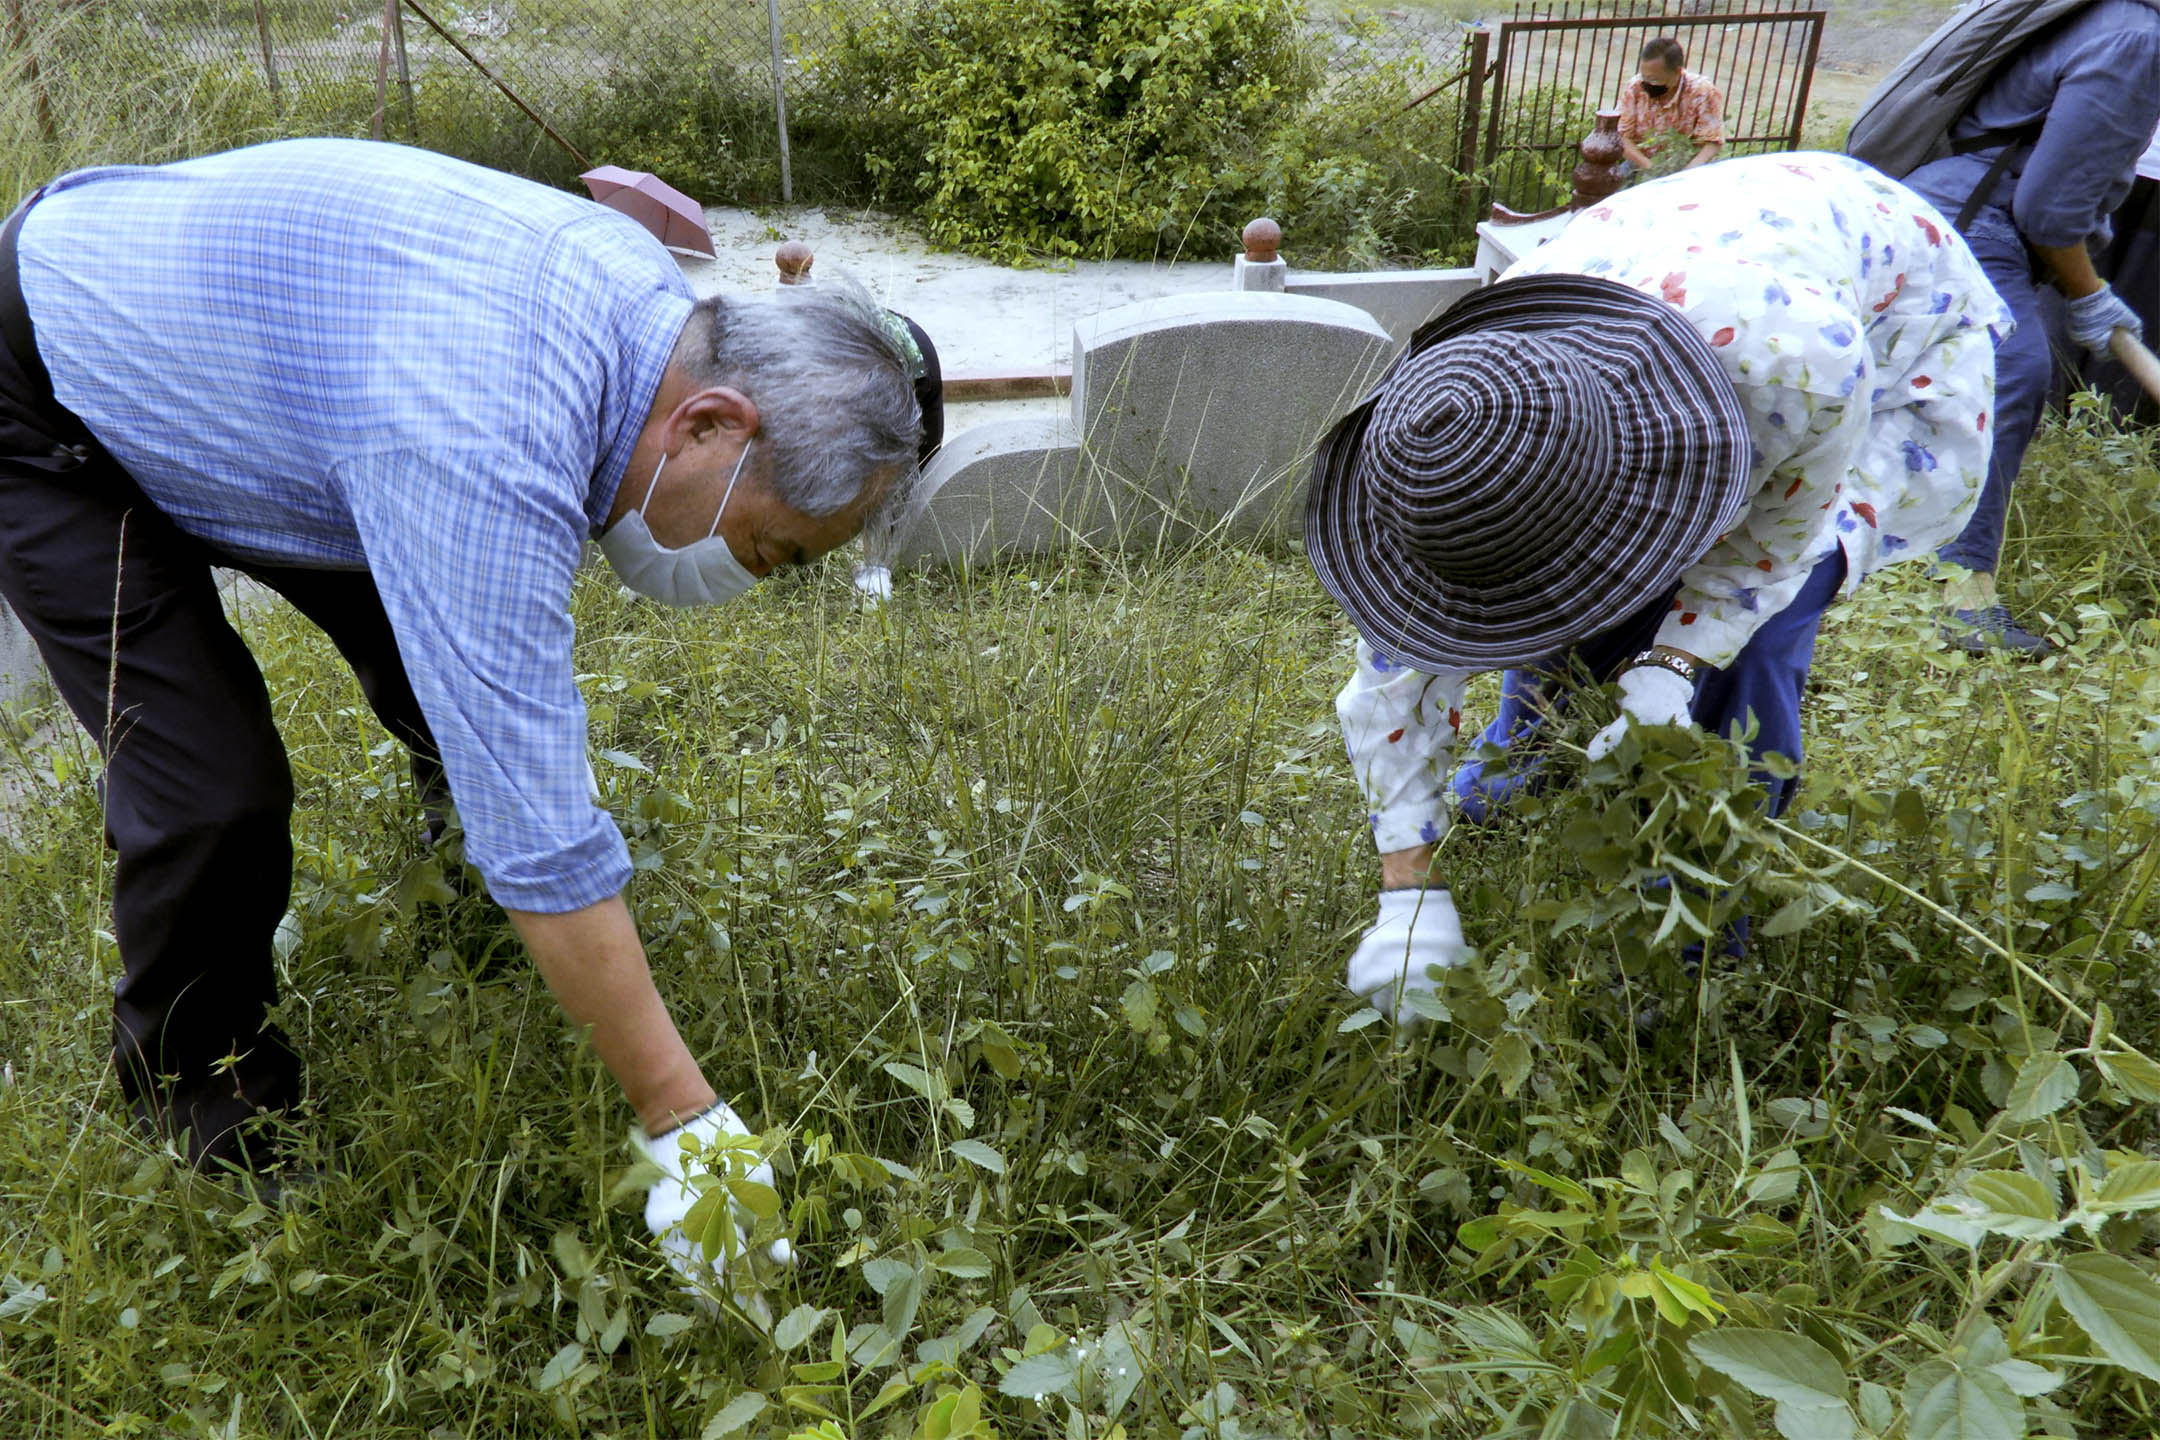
(356, 356)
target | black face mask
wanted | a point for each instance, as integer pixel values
(1655, 92)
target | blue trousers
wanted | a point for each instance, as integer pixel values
(2024, 374)
(1764, 681)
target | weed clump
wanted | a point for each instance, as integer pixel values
(1013, 915)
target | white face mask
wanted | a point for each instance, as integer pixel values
(704, 572)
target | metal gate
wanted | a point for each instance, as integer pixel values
(1537, 81)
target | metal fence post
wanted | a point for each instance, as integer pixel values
(262, 33)
(1807, 78)
(1473, 105)
(382, 67)
(779, 100)
(1498, 103)
(497, 81)
(404, 73)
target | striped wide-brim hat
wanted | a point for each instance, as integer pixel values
(1543, 460)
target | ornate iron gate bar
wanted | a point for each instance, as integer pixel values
(1552, 72)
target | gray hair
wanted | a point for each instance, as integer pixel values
(834, 395)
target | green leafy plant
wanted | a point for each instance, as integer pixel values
(1078, 126)
(1013, 914)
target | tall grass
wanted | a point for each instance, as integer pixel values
(1359, 181)
(139, 110)
(97, 85)
(1015, 913)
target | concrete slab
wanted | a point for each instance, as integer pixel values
(983, 317)
(1401, 300)
(959, 419)
(1500, 246)
(988, 318)
(1212, 403)
(22, 673)
(1009, 487)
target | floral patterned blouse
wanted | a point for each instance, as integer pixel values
(1859, 332)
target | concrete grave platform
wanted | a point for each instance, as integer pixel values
(1213, 403)
(1009, 487)
(1401, 300)
(22, 673)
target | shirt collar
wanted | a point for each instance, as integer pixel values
(649, 333)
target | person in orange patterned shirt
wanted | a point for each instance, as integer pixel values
(1665, 105)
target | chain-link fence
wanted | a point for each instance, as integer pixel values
(537, 86)
(1385, 141)
(691, 87)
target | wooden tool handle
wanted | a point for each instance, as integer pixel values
(2131, 354)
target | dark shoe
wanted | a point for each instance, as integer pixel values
(1979, 631)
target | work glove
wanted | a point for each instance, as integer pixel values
(873, 583)
(1649, 695)
(1417, 930)
(2095, 318)
(711, 1192)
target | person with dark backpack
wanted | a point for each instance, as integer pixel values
(2023, 120)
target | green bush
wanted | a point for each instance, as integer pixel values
(1358, 181)
(1133, 127)
(1074, 126)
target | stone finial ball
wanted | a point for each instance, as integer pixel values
(1263, 241)
(793, 260)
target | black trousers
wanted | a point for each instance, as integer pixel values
(196, 791)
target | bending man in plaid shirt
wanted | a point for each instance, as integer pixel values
(403, 392)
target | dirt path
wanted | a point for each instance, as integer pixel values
(984, 317)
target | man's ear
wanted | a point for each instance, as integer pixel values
(711, 414)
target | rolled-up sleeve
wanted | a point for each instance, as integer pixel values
(1707, 124)
(2099, 122)
(1634, 106)
(1400, 725)
(474, 552)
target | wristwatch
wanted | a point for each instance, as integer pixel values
(1686, 669)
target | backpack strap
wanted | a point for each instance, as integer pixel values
(2012, 141)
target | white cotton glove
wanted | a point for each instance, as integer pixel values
(1649, 695)
(873, 583)
(2095, 318)
(1416, 930)
(709, 1195)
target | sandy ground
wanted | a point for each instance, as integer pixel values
(982, 316)
(987, 318)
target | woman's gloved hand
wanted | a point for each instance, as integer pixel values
(1649, 695)
(1417, 931)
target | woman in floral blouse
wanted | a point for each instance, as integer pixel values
(1813, 385)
